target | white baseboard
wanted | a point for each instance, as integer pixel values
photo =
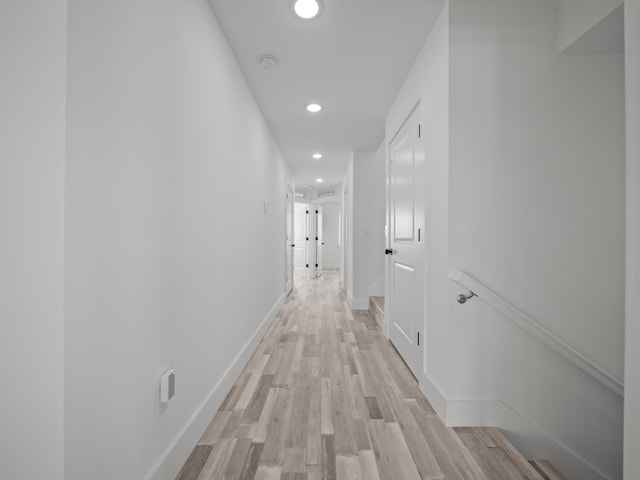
(528, 438)
(434, 394)
(357, 303)
(169, 464)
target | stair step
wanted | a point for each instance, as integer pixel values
(492, 450)
(546, 470)
(376, 308)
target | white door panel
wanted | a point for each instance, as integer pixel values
(319, 241)
(406, 259)
(404, 189)
(300, 240)
(403, 314)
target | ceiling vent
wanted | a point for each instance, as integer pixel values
(326, 193)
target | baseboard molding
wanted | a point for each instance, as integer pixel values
(357, 303)
(169, 464)
(433, 393)
(529, 439)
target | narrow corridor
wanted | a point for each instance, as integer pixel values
(326, 396)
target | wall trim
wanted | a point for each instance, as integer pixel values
(434, 394)
(532, 441)
(174, 457)
(357, 303)
(538, 331)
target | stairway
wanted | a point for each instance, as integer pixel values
(497, 459)
(376, 309)
(546, 470)
(492, 452)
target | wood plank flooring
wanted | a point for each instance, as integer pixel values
(326, 397)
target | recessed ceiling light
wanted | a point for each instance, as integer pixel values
(306, 9)
(319, 180)
(314, 108)
(317, 156)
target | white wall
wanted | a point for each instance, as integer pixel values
(525, 193)
(368, 220)
(330, 231)
(632, 364)
(161, 231)
(32, 156)
(347, 231)
(577, 17)
(428, 83)
(537, 179)
(537, 165)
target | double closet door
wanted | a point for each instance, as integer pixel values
(308, 240)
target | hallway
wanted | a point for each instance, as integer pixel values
(152, 154)
(326, 396)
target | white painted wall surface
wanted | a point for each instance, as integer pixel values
(577, 17)
(32, 156)
(162, 228)
(632, 350)
(331, 230)
(538, 173)
(428, 82)
(537, 178)
(347, 232)
(368, 221)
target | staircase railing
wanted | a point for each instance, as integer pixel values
(534, 328)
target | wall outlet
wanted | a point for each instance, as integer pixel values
(167, 385)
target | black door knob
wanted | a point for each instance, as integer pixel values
(388, 251)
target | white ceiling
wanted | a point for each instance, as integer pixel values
(352, 59)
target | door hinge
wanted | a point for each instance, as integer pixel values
(307, 212)
(316, 265)
(307, 239)
(418, 338)
(419, 130)
(317, 212)
(307, 265)
(418, 234)
(316, 239)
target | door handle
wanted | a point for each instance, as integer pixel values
(388, 251)
(292, 246)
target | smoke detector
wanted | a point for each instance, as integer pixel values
(269, 62)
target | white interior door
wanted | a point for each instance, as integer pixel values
(300, 241)
(319, 241)
(406, 241)
(289, 241)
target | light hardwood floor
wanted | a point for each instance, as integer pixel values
(326, 396)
